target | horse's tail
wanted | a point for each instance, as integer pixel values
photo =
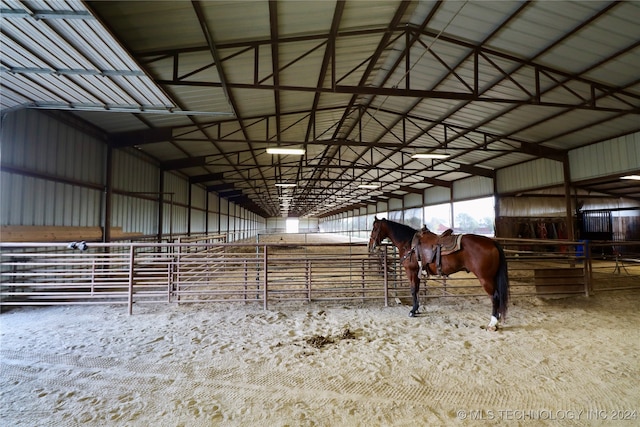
(501, 291)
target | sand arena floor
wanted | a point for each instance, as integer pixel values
(573, 360)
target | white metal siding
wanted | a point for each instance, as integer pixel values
(412, 200)
(473, 187)
(198, 204)
(31, 140)
(198, 197)
(59, 156)
(308, 224)
(395, 204)
(135, 214)
(532, 207)
(214, 202)
(174, 220)
(538, 173)
(32, 201)
(436, 195)
(61, 179)
(609, 157)
(276, 223)
(133, 174)
(178, 186)
(214, 223)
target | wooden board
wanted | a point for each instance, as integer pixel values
(44, 233)
(559, 281)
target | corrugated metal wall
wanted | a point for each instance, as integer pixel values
(54, 174)
(609, 157)
(198, 212)
(276, 224)
(39, 191)
(472, 188)
(437, 195)
(395, 204)
(31, 140)
(538, 173)
(134, 174)
(135, 185)
(412, 200)
(175, 216)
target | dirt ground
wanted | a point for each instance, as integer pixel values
(572, 361)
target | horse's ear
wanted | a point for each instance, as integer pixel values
(375, 217)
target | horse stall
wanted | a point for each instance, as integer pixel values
(311, 329)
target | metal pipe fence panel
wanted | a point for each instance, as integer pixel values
(266, 273)
(38, 277)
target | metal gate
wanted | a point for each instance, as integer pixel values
(596, 225)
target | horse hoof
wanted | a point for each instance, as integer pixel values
(412, 314)
(493, 324)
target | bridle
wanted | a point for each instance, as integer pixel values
(375, 239)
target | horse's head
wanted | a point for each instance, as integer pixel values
(377, 234)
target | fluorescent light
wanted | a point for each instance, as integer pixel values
(429, 156)
(285, 184)
(369, 186)
(295, 151)
(633, 177)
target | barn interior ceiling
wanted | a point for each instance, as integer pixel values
(207, 88)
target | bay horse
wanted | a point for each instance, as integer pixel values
(479, 255)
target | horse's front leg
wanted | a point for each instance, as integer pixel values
(414, 279)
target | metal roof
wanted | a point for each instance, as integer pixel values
(204, 87)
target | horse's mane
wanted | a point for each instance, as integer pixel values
(401, 231)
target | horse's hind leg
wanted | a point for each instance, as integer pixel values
(493, 324)
(495, 315)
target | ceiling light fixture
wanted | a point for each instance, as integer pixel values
(429, 156)
(633, 177)
(285, 184)
(369, 186)
(293, 151)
